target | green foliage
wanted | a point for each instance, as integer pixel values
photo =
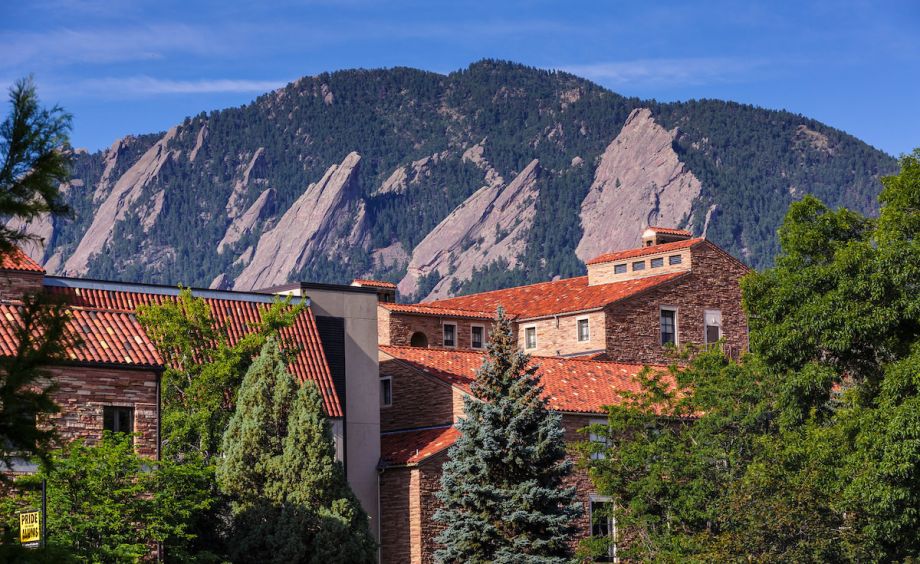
(203, 369)
(809, 450)
(502, 492)
(25, 384)
(107, 504)
(33, 166)
(290, 499)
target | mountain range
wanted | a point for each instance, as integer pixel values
(494, 175)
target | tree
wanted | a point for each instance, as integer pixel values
(808, 450)
(34, 165)
(290, 499)
(502, 487)
(107, 504)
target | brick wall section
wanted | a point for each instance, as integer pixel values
(14, 284)
(399, 489)
(418, 401)
(563, 340)
(429, 485)
(397, 328)
(82, 392)
(579, 477)
(633, 326)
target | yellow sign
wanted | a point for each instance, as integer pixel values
(30, 527)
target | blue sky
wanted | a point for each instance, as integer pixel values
(135, 67)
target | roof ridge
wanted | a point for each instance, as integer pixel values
(506, 289)
(647, 250)
(551, 357)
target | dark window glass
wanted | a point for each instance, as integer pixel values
(118, 419)
(386, 392)
(418, 340)
(639, 265)
(668, 325)
(602, 525)
(530, 338)
(450, 335)
(476, 337)
(583, 334)
(712, 333)
(675, 259)
(619, 269)
(657, 262)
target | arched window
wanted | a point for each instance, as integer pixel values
(419, 339)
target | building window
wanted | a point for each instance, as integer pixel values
(477, 336)
(675, 259)
(386, 392)
(619, 269)
(604, 525)
(657, 262)
(639, 265)
(118, 419)
(584, 331)
(668, 326)
(530, 338)
(419, 339)
(450, 335)
(713, 321)
(598, 440)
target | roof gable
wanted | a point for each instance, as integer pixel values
(17, 259)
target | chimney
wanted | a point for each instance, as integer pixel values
(657, 235)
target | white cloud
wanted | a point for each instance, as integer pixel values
(148, 86)
(667, 72)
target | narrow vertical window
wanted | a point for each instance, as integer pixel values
(530, 338)
(713, 321)
(477, 334)
(604, 526)
(450, 335)
(118, 419)
(599, 441)
(386, 392)
(584, 331)
(668, 327)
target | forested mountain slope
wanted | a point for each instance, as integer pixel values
(494, 175)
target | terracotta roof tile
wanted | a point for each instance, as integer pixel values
(238, 318)
(93, 336)
(402, 448)
(549, 298)
(429, 309)
(373, 283)
(570, 384)
(643, 251)
(670, 231)
(16, 259)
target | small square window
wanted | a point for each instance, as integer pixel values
(584, 331)
(477, 332)
(619, 269)
(530, 338)
(118, 419)
(675, 259)
(386, 392)
(657, 262)
(639, 265)
(450, 335)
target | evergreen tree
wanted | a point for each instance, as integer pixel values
(502, 492)
(291, 502)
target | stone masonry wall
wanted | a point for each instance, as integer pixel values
(633, 326)
(397, 329)
(418, 401)
(399, 515)
(83, 392)
(14, 284)
(562, 338)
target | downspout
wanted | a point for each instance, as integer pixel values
(380, 470)
(159, 412)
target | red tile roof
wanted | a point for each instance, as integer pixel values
(373, 283)
(670, 231)
(238, 317)
(403, 448)
(93, 336)
(16, 259)
(550, 298)
(430, 309)
(643, 251)
(570, 384)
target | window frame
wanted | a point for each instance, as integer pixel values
(706, 326)
(383, 402)
(639, 262)
(527, 328)
(621, 268)
(578, 321)
(594, 499)
(444, 334)
(676, 312)
(132, 420)
(482, 343)
(597, 439)
(660, 264)
(675, 259)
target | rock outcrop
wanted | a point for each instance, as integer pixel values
(328, 216)
(491, 224)
(639, 181)
(127, 190)
(247, 221)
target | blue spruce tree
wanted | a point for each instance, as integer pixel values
(502, 491)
